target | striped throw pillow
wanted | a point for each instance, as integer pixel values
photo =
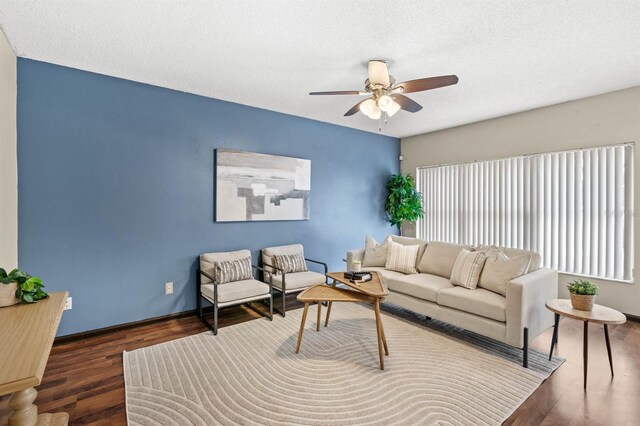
(233, 270)
(467, 268)
(290, 262)
(402, 258)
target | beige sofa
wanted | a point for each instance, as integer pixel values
(514, 319)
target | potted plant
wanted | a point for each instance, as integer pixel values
(583, 294)
(19, 287)
(404, 202)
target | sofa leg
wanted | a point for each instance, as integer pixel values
(199, 307)
(525, 349)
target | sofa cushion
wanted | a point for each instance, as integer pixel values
(479, 302)
(375, 254)
(421, 286)
(402, 258)
(410, 241)
(236, 290)
(536, 261)
(439, 258)
(499, 269)
(297, 280)
(208, 260)
(466, 270)
(269, 252)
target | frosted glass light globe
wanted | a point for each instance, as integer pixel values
(385, 102)
(368, 106)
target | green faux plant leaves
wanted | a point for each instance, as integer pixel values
(404, 202)
(29, 288)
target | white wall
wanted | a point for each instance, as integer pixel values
(8, 157)
(600, 120)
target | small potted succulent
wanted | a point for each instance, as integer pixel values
(19, 287)
(583, 294)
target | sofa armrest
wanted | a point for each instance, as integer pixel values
(353, 255)
(526, 296)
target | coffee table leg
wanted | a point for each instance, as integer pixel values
(554, 339)
(606, 338)
(304, 318)
(326, 321)
(585, 351)
(384, 338)
(319, 316)
(379, 330)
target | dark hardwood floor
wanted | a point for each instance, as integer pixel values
(85, 378)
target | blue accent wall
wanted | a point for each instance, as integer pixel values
(115, 189)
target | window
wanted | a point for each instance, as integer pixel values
(574, 208)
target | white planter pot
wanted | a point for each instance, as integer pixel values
(8, 294)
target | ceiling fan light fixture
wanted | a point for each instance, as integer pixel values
(393, 109)
(375, 113)
(368, 106)
(385, 102)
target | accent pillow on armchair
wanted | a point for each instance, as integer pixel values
(290, 263)
(233, 270)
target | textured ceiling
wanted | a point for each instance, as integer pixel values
(510, 56)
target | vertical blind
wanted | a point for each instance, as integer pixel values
(574, 208)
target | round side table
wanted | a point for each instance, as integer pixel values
(599, 315)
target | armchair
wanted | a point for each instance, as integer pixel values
(210, 289)
(291, 282)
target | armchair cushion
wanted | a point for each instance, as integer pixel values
(233, 270)
(269, 252)
(208, 260)
(299, 280)
(290, 263)
(236, 290)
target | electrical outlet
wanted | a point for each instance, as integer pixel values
(168, 288)
(69, 304)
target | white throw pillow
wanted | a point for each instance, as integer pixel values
(375, 254)
(402, 258)
(499, 269)
(411, 241)
(467, 268)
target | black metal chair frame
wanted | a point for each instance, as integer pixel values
(283, 291)
(199, 297)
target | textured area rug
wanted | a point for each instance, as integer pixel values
(249, 374)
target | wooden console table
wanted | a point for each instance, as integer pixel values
(27, 333)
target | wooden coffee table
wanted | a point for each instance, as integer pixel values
(370, 292)
(599, 315)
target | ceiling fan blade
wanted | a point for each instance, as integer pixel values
(355, 108)
(426, 83)
(406, 103)
(341, 92)
(378, 73)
